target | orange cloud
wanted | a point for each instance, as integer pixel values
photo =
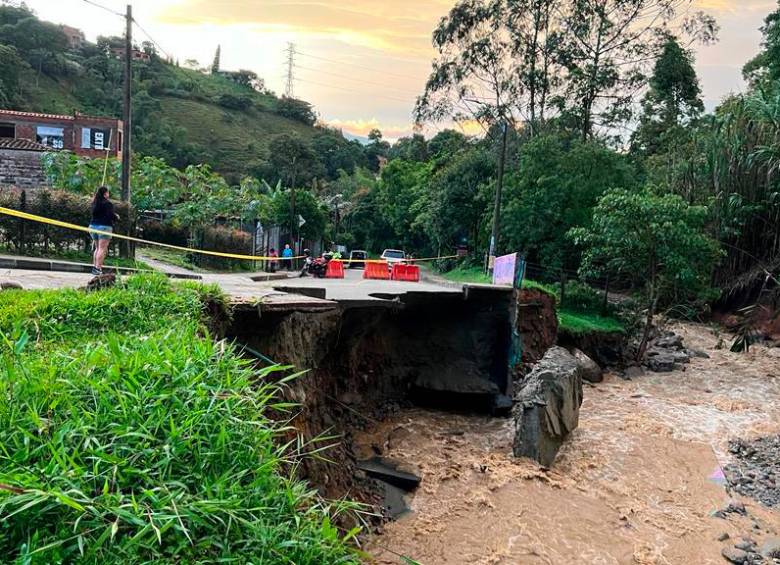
(363, 127)
(401, 25)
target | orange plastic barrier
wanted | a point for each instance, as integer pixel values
(376, 271)
(409, 273)
(335, 270)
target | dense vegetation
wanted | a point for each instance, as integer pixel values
(185, 115)
(127, 435)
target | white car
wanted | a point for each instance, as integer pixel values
(393, 256)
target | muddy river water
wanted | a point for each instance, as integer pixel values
(637, 482)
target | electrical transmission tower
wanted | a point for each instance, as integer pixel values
(289, 90)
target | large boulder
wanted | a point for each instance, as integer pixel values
(547, 406)
(590, 370)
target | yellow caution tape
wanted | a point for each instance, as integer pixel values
(61, 224)
(58, 223)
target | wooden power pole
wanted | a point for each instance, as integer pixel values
(124, 247)
(128, 116)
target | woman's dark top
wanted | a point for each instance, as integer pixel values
(103, 213)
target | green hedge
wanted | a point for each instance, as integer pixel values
(23, 235)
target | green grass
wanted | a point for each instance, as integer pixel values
(570, 321)
(579, 323)
(546, 288)
(468, 275)
(129, 436)
(172, 257)
(232, 140)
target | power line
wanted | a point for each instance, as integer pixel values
(109, 10)
(401, 90)
(347, 89)
(154, 42)
(352, 65)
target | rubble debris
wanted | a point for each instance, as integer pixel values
(389, 472)
(98, 282)
(547, 406)
(755, 471)
(667, 353)
(10, 285)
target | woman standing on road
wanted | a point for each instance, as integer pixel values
(103, 220)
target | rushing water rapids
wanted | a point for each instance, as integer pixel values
(638, 482)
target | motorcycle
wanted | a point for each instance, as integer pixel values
(316, 267)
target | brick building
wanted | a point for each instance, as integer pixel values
(76, 39)
(20, 164)
(86, 136)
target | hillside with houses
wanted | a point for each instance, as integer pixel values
(183, 113)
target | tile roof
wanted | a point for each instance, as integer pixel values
(23, 145)
(17, 113)
(34, 115)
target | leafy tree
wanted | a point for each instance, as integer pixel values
(536, 36)
(474, 77)
(295, 109)
(674, 98)
(658, 241)
(446, 142)
(766, 65)
(234, 102)
(336, 153)
(457, 200)
(11, 66)
(558, 182)
(305, 205)
(377, 149)
(293, 159)
(413, 148)
(401, 190)
(606, 44)
(215, 66)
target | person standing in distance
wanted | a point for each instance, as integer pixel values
(287, 255)
(103, 217)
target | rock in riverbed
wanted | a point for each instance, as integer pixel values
(591, 372)
(547, 406)
(755, 471)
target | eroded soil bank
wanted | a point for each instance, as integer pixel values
(638, 482)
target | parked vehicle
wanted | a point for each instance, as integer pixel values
(357, 259)
(315, 267)
(393, 256)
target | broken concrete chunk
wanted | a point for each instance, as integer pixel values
(388, 472)
(547, 406)
(590, 370)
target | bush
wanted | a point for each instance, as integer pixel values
(581, 297)
(224, 240)
(129, 437)
(21, 235)
(163, 232)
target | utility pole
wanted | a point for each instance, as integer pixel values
(289, 89)
(497, 204)
(127, 118)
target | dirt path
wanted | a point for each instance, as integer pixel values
(637, 483)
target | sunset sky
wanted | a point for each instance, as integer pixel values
(361, 62)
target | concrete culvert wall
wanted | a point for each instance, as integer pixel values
(363, 361)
